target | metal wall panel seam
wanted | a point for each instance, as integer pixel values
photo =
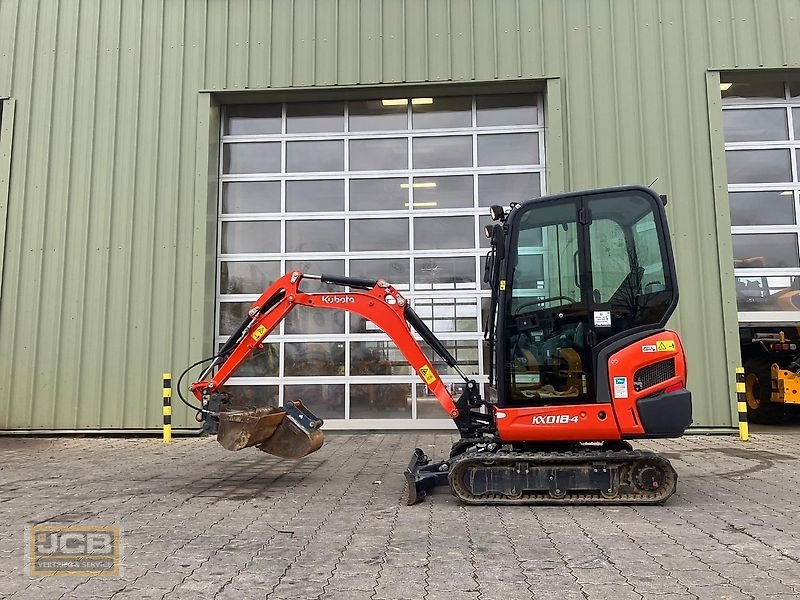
(154, 217)
(321, 48)
(592, 109)
(89, 344)
(709, 32)
(215, 44)
(237, 44)
(103, 207)
(175, 290)
(495, 46)
(71, 290)
(566, 106)
(191, 65)
(692, 163)
(793, 43)
(449, 54)
(719, 179)
(472, 36)
(757, 27)
(203, 42)
(781, 32)
(519, 40)
(9, 37)
(64, 339)
(555, 170)
(225, 59)
(303, 53)
(47, 304)
(7, 109)
(20, 299)
(426, 37)
(248, 46)
(201, 333)
(358, 40)
(101, 213)
(404, 59)
(664, 92)
(542, 54)
(614, 85)
(73, 287)
(734, 37)
(267, 80)
(130, 195)
(639, 96)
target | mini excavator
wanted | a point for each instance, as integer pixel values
(582, 285)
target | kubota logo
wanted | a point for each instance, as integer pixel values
(554, 420)
(338, 299)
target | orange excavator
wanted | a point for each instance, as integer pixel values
(581, 362)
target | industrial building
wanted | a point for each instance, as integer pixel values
(162, 162)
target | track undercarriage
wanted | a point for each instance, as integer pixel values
(586, 474)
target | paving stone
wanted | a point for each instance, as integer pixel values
(598, 576)
(347, 595)
(200, 520)
(721, 592)
(610, 592)
(462, 595)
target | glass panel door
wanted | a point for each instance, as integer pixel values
(548, 360)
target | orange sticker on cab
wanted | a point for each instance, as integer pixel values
(259, 333)
(427, 374)
(665, 346)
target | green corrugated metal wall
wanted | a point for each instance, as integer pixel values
(104, 245)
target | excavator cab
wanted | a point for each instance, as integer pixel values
(581, 272)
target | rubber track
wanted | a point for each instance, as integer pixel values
(628, 492)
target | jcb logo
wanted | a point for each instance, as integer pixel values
(74, 550)
(75, 542)
(554, 419)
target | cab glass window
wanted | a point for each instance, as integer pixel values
(546, 267)
(628, 270)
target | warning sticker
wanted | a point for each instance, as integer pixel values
(502, 285)
(259, 333)
(620, 387)
(427, 374)
(665, 346)
(602, 318)
(649, 348)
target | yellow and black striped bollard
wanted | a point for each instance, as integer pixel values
(167, 408)
(741, 402)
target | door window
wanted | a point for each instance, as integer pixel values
(548, 361)
(629, 280)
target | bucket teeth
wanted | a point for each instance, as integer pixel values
(288, 432)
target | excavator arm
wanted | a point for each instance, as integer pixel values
(292, 431)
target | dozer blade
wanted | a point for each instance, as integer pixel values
(288, 432)
(422, 476)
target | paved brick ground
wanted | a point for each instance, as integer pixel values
(201, 522)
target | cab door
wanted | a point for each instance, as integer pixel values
(547, 349)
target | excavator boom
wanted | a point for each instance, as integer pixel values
(293, 431)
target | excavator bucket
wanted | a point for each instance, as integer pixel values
(288, 432)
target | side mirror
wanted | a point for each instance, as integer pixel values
(487, 271)
(499, 242)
